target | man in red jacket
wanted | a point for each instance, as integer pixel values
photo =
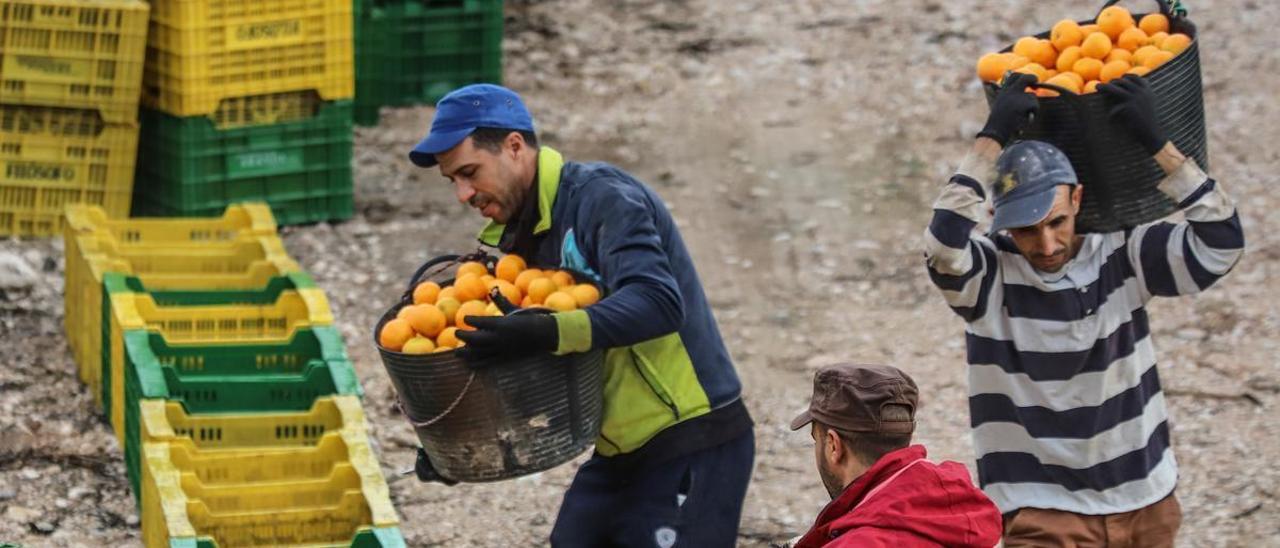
(883, 490)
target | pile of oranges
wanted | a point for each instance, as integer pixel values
(1079, 57)
(432, 322)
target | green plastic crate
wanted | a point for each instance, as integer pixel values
(374, 537)
(231, 378)
(413, 52)
(190, 167)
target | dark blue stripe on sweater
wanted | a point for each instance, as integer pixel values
(951, 228)
(973, 184)
(971, 313)
(1078, 423)
(1069, 305)
(956, 283)
(1200, 191)
(1026, 468)
(1224, 234)
(1155, 261)
(1060, 366)
(1199, 273)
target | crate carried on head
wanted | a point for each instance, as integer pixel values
(1118, 175)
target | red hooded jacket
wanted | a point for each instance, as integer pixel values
(911, 505)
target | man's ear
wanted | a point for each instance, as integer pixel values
(834, 447)
(1077, 194)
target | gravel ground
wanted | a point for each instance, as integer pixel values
(799, 146)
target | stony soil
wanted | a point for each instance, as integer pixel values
(799, 145)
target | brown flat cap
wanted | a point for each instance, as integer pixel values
(849, 397)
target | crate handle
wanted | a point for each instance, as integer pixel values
(448, 409)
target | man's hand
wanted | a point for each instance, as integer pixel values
(1011, 111)
(426, 472)
(1134, 107)
(521, 334)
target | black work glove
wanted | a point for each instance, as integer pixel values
(1011, 111)
(522, 334)
(1134, 107)
(426, 473)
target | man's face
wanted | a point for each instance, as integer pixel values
(488, 181)
(823, 454)
(1048, 244)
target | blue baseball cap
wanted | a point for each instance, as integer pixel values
(462, 111)
(1027, 175)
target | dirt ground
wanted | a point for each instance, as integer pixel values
(799, 146)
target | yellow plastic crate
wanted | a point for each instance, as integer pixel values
(238, 264)
(166, 421)
(238, 220)
(200, 53)
(51, 157)
(204, 325)
(74, 54)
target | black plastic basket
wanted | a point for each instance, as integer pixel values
(500, 421)
(1118, 175)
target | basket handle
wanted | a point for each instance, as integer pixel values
(1170, 8)
(443, 262)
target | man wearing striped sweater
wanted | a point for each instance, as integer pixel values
(1069, 423)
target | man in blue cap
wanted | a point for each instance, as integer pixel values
(676, 447)
(1069, 423)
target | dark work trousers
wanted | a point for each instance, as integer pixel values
(691, 500)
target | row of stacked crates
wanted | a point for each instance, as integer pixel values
(215, 360)
(70, 78)
(247, 100)
(413, 52)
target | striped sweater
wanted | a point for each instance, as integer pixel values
(1064, 394)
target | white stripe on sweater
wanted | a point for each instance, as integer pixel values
(1126, 437)
(1083, 390)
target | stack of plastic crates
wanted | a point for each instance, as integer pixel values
(70, 79)
(210, 324)
(412, 52)
(247, 100)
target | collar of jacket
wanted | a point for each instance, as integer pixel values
(853, 494)
(550, 163)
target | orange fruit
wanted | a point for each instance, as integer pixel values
(471, 267)
(1089, 29)
(526, 302)
(1091, 86)
(1078, 79)
(419, 345)
(469, 308)
(561, 302)
(585, 294)
(1096, 45)
(1114, 20)
(1065, 80)
(1152, 23)
(1158, 39)
(992, 66)
(446, 293)
(1132, 38)
(509, 266)
(1036, 50)
(1113, 70)
(510, 291)
(1050, 73)
(1088, 68)
(1140, 55)
(426, 292)
(1066, 33)
(539, 289)
(522, 280)
(448, 338)
(1040, 72)
(1067, 58)
(1176, 43)
(1016, 61)
(426, 319)
(1118, 54)
(1045, 92)
(394, 334)
(562, 278)
(449, 307)
(404, 311)
(440, 349)
(1156, 59)
(1139, 70)
(469, 287)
